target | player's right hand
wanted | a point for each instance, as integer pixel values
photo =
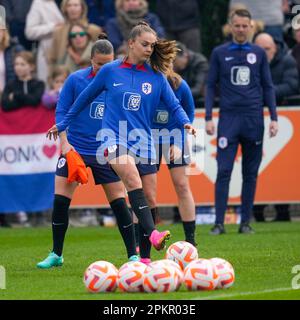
(210, 127)
(52, 132)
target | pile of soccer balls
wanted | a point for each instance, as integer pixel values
(181, 266)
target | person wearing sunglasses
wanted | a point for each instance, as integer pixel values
(73, 11)
(79, 48)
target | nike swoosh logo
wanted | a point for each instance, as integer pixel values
(143, 207)
(128, 226)
(186, 156)
(117, 84)
(57, 224)
(228, 58)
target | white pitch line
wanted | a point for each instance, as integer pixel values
(241, 294)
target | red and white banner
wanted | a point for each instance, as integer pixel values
(27, 160)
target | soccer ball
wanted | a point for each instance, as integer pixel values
(160, 278)
(225, 271)
(201, 274)
(130, 276)
(182, 252)
(169, 263)
(101, 276)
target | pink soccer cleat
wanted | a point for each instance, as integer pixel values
(145, 261)
(158, 239)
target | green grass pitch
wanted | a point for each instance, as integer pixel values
(263, 262)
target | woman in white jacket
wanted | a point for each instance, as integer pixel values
(44, 16)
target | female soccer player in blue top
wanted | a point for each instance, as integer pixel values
(84, 141)
(133, 90)
(170, 142)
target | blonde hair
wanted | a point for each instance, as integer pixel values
(5, 40)
(63, 8)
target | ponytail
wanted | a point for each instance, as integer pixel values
(163, 55)
(164, 51)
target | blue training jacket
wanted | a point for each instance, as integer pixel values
(164, 120)
(242, 75)
(82, 132)
(132, 94)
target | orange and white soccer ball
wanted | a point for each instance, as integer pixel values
(201, 274)
(169, 263)
(225, 271)
(160, 278)
(182, 252)
(131, 276)
(101, 276)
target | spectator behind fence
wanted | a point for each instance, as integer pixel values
(55, 83)
(128, 14)
(24, 91)
(181, 20)
(78, 54)
(7, 51)
(268, 11)
(16, 12)
(100, 11)
(74, 11)
(257, 25)
(44, 16)
(283, 66)
(192, 67)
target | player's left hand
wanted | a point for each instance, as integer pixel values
(52, 132)
(273, 129)
(191, 129)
